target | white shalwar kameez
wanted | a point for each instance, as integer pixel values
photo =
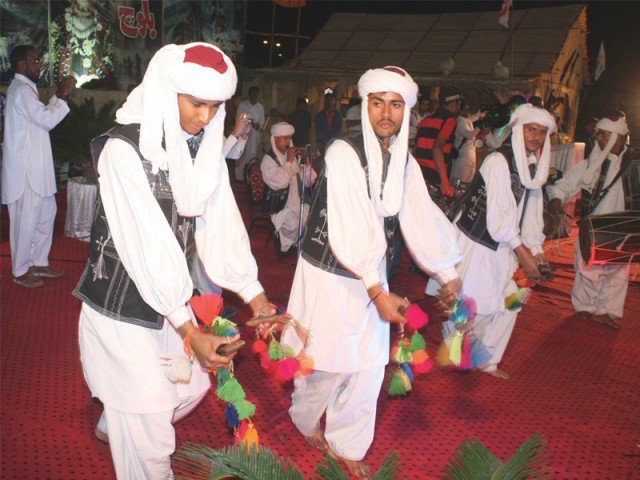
(28, 177)
(349, 342)
(487, 274)
(252, 148)
(597, 289)
(123, 363)
(287, 220)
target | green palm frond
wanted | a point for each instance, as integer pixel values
(525, 463)
(201, 462)
(390, 468)
(330, 469)
(474, 461)
(471, 461)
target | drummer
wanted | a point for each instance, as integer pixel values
(609, 185)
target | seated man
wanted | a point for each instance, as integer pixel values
(281, 174)
(609, 181)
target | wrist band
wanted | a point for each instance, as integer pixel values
(376, 296)
(186, 344)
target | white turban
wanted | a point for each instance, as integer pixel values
(598, 155)
(397, 80)
(197, 69)
(522, 115)
(281, 129)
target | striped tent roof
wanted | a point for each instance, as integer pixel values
(353, 42)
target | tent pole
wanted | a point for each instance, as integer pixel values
(273, 26)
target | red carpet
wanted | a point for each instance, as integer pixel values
(576, 382)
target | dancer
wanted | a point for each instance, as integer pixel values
(609, 179)
(370, 190)
(158, 170)
(500, 226)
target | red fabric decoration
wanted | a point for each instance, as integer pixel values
(206, 57)
(207, 307)
(259, 346)
(416, 318)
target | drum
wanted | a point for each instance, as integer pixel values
(612, 239)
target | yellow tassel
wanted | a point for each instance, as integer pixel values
(455, 352)
(250, 439)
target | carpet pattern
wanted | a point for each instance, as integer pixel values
(577, 382)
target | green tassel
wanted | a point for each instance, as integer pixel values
(275, 350)
(245, 409)
(403, 355)
(223, 327)
(287, 351)
(231, 391)
(223, 376)
(455, 351)
(398, 385)
(417, 342)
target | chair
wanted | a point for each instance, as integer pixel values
(257, 190)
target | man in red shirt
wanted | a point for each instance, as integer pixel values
(434, 141)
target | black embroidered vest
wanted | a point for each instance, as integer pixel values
(316, 248)
(274, 200)
(630, 178)
(473, 205)
(105, 285)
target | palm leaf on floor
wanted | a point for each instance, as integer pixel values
(330, 469)
(200, 462)
(473, 461)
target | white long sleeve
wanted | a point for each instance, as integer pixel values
(223, 243)
(570, 184)
(502, 218)
(145, 243)
(430, 236)
(356, 234)
(233, 147)
(275, 176)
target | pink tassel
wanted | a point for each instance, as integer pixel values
(265, 361)
(465, 358)
(287, 368)
(416, 318)
(259, 346)
(424, 367)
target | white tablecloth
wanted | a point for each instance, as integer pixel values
(81, 205)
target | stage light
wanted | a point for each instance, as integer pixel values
(265, 42)
(278, 44)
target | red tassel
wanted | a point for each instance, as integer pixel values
(207, 307)
(259, 346)
(265, 361)
(416, 318)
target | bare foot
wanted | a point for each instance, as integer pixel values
(317, 440)
(607, 320)
(497, 373)
(358, 469)
(100, 435)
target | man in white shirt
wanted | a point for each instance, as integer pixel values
(28, 178)
(371, 190)
(255, 111)
(599, 291)
(500, 227)
(283, 176)
(417, 114)
(158, 171)
(463, 167)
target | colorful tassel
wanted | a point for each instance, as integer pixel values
(231, 414)
(465, 355)
(207, 307)
(455, 349)
(244, 409)
(247, 435)
(400, 384)
(416, 318)
(420, 356)
(407, 370)
(275, 350)
(423, 367)
(401, 353)
(479, 353)
(224, 328)
(259, 346)
(306, 365)
(516, 300)
(265, 360)
(288, 367)
(231, 391)
(418, 342)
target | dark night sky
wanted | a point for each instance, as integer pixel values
(615, 23)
